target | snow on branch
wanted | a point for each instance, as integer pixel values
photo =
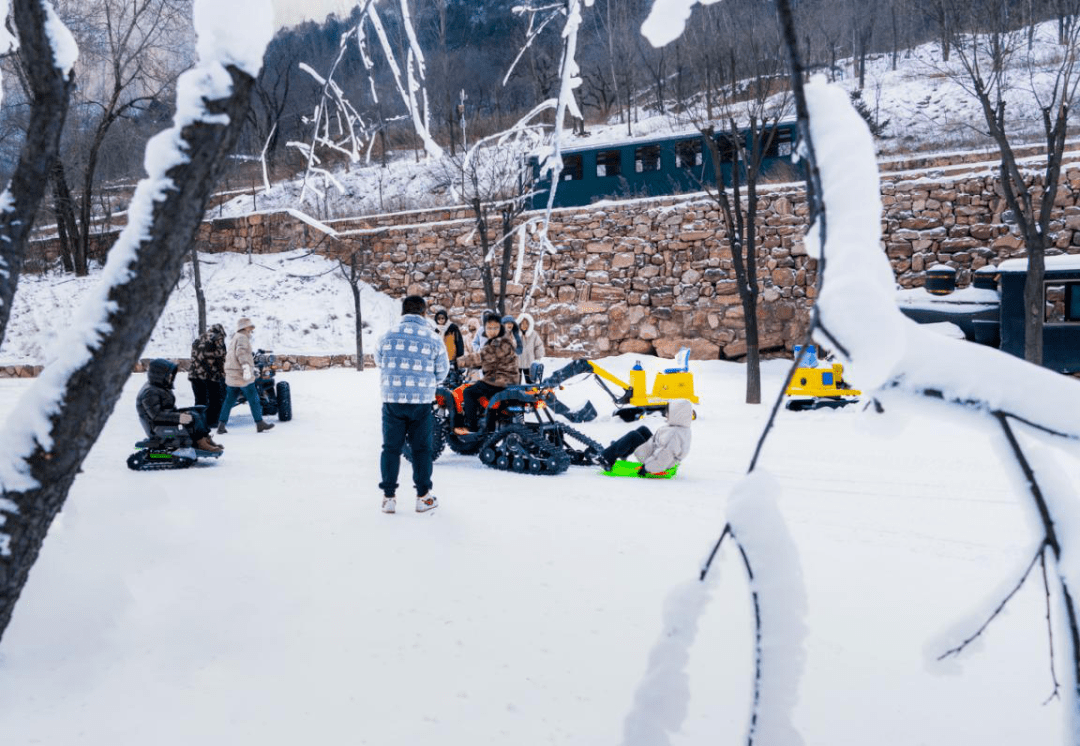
(414, 70)
(667, 20)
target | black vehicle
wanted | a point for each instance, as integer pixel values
(991, 310)
(274, 396)
(168, 447)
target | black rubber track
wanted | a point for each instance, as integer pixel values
(523, 449)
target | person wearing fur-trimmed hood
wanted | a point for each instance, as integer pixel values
(532, 346)
(450, 334)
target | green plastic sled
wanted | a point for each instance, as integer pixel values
(630, 469)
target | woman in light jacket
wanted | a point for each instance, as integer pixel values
(240, 377)
(532, 346)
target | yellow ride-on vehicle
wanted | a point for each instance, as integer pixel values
(635, 400)
(812, 387)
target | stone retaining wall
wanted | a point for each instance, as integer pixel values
(653, 275)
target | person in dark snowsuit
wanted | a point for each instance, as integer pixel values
(156, 405)
(207, 373)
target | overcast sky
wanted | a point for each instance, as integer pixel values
(292, 12)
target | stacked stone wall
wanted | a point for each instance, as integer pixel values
(653, 275)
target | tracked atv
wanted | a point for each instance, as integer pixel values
(168, 447)
(518, 432)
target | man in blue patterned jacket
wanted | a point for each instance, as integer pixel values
(412, 361)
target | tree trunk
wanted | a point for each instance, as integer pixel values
(51, 89)
(62, 235)
(80, 394)
(66, 225)
(196, 279)
(507, 254)
(748, 290)
(485, 248)
(354, 283)
(1034, 304)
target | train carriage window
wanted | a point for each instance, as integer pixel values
(729, 147)
(608, 163)
(1062, 302)
(1071, 302)
(688, 153)
(782, 143)
(573, 168)
(647, 158)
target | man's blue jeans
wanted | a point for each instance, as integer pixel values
(412, 423)
(251, 393)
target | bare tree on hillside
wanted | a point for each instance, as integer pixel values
(492, 178)
(131, 54)
(739, 142)
(352, 269)
(49, 82)
(62, 414)
(991, 66)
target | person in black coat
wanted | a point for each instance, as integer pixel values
(156, 405)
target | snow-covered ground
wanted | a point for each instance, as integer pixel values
(300, 302)
(264, 599)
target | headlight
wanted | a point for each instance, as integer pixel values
(268, 373)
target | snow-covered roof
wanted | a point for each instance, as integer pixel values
(1057, 262)
(963, 301)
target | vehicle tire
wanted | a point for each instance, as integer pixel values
(438, 438)
(284, 402)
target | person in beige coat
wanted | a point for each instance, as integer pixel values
(657, 453)
(240, 377)
(532, 347)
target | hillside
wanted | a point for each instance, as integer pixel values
(926, 111)
(301, 304)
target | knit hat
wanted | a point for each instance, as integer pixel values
(508, 319)
(243, 324)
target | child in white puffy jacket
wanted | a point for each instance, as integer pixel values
(660, 451)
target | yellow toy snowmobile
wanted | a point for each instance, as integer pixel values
(812, 387)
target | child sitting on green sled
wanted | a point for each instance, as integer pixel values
(657, 453)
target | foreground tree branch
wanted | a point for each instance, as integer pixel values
(50, 82)
(71, 402)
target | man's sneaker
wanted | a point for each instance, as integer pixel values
(221, 429)
(389, 505)
(426, 503)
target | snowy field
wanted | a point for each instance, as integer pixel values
(264, 599)
(299, 301)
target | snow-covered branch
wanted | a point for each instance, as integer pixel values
(54, 425)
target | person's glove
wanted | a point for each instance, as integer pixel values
(185, 418)
(246, 370)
